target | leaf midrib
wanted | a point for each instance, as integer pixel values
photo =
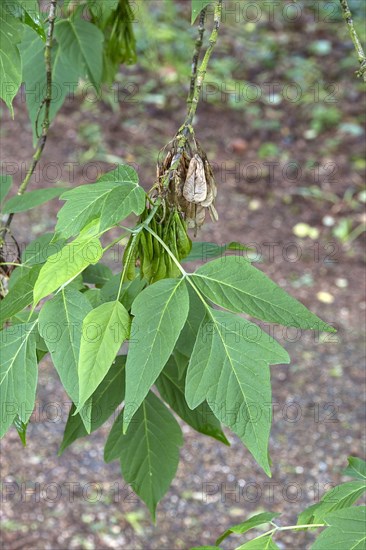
(158, 330)
(239, 290)
(70, 332)
(233, 369)
(90, 74)
(23, 342)
(208, 310)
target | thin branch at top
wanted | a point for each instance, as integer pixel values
(46, 102)
(196, 54)
(201, 72)
(199, 78)
(355, 39)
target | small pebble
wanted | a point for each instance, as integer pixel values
(341, 283)
(325, 297)
(254, 204)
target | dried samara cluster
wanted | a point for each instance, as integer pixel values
(186, 189)
(186, 181)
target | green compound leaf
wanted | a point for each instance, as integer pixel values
(149, 451)
(346, 530)
(254, 521)
(201, 419)
(104, 331)
(61, 268)
(82, 44)
(229, 369)
(160, 312)
(356, 468)
(60, 324)
(21, 203)
(18, 373)
(10, 61)
(341, 496)
(233, 283)
(91, 201)
(99, 407)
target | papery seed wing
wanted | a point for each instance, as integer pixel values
(213, 213)
(200, 184)
(210, 178)
(191, 215)
(209, 199)
(189, 185)
(200, 215)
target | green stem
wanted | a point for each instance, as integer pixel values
(196, 54)
(193, 99)
(46, 102)
(128, 229)
(288, 528)
(114, 242)
(295, 527)
(184, 273)
(152, 213)
(355, 39)
(201, 72)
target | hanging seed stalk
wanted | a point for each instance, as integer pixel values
(185, 187)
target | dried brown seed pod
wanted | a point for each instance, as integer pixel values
(190, 213)
(209, 199)
(200, 215)
(195, 186)
(213, 213)
(210, 178)
(186, 181)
